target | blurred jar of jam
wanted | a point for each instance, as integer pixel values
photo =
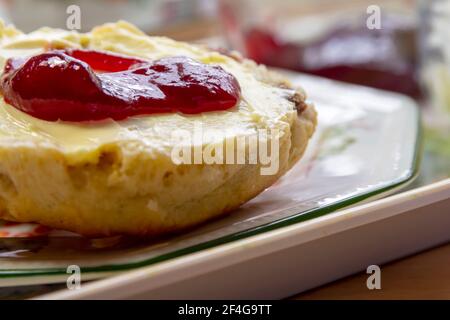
(330, 38)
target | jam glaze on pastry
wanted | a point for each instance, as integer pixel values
(57, 86)
(117, 177)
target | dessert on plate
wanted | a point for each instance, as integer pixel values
(115, 132)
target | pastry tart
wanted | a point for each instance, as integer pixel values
(144, 172)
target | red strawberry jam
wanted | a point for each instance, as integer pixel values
(80, 85)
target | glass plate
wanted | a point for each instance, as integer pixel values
(366, 146)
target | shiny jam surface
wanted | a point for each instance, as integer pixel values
(81, 85)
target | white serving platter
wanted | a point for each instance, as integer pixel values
(289, 260)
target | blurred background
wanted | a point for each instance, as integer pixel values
(407, 51)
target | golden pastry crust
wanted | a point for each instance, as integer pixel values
(132, 186)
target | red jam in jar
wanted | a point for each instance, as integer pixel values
(385, 58)
(82, 85)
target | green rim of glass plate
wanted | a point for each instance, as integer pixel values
(283, 222)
